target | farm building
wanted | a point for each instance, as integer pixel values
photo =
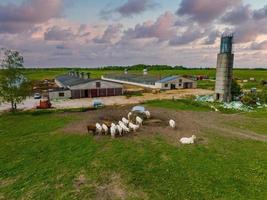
(152, 82)
(76, 85)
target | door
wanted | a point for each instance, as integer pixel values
(173, 86)
(86, 94)
(94, 93)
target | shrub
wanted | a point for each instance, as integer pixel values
(249, 99)
(236, 89)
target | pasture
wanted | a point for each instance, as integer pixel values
(49, 155)
(243, 74)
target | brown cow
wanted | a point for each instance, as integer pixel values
(91, 128)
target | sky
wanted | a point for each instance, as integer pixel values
(94, 33)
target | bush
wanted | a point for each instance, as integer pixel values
(236, 89)
(263, 95)
(249, 99)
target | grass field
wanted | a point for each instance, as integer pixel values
(41, 74)
(39, 161)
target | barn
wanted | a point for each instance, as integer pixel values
(152, 82)
(81, 86)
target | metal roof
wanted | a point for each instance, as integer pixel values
(68, 81)
(167, 79)
(143, 79)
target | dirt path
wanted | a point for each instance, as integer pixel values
(31, 103)
(188, 123)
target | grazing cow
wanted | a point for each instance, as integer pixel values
(125, 121)
(105, 128)
(133, 126)
(91, 128)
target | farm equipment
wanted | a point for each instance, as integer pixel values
(44, 104)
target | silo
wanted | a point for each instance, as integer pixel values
(224, 71)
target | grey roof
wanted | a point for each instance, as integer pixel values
(68, 81)
(134, 78)
(167, 79)
(143, 79)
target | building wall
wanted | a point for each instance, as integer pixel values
(179, 83)
(224, 74)
(93, 93)
(66, 94)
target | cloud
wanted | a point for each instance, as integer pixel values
(190, 35)
(205, 11)
(163, 28)
(19, 18)
(111, 33)
(238, 15)
(129, 8)
(213, 35)
(259, 46)
(57, 34)
(260, 13)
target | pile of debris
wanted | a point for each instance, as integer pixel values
(234, 105)
(237, 105)
(206, 98)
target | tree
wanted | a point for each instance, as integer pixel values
(263, 94)
(236, 90)
(14, 86)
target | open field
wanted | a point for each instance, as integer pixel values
(41, 74)
(48, 155)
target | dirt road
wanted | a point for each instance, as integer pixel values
(122, 100)
(31, 103)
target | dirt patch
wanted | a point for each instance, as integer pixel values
(7, 182)
(114, 189)
(188, 123)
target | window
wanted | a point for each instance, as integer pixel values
(166, 85)
(180, 80)
(61, 94)
(98, 84)
(180, 85)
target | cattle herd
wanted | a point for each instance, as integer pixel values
(132, 123)
(126, 125)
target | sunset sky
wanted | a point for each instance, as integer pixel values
(93, 33)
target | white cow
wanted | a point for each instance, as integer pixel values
(148, 115)
(113, 131)
(190, 140)
(133, 126)
(98, 128)
(172, 123)
(139, 121)
(129, 115)
(105, 128)
(119, 128)
(125, 121)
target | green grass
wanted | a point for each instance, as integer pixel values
(256, 121)
(180, 104)
(41, 74)
(39, 162)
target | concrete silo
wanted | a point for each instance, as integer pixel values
(224, 71)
